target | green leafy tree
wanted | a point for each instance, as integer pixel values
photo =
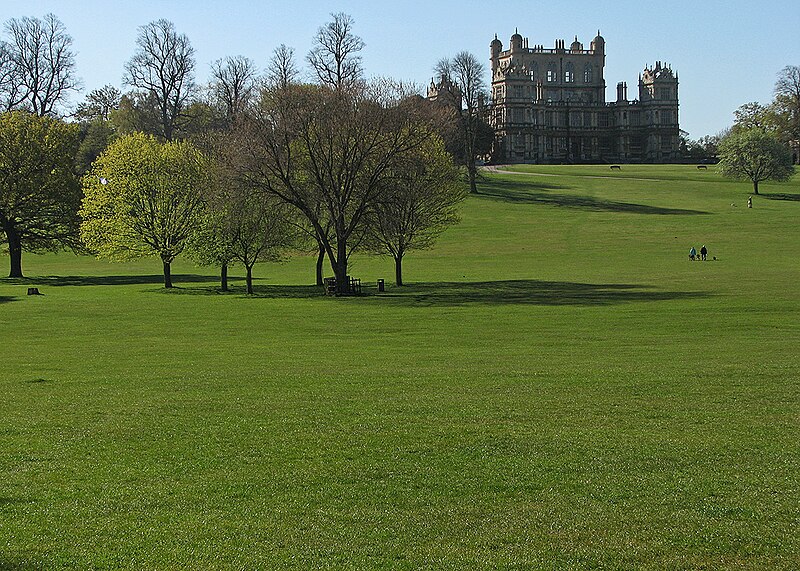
(256, 229)
(755, 116)
(94, 139)
(96, 129)
(420, 201)
(756, 156)
(39, 193)
(208, 245)
(241, 225)
(136, 112)
(142, 198)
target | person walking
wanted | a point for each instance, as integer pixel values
(692, 253)
(749, 202)
(703, 252)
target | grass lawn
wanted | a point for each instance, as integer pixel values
(557, 388)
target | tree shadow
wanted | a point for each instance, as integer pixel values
(8, 501)
(58, 281)
(7, 298)
(781, 196)
(259, 291)
(500, 187)
(510, 192)
(531, 292)
(18, 565)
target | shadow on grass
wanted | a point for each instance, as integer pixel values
(531, 193)
(7, 501)
(57, 281)
(7, 298)
(259, 291)
(532, 292)
(12, 565)
(781, 196)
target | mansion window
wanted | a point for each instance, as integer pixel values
(552, 72)
(569, 73)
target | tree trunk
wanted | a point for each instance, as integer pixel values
(340, 269)
(14, 251)
(755, 187)
(398, 270)
(223, 277)
(320, 262)
(249, 278)
(167, 275)
(472, 171)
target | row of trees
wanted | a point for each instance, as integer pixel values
(243, 170)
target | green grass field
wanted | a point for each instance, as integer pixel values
(557, 388)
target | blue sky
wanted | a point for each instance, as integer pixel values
(725, 53)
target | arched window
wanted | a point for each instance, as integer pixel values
(569, 72)
(552, 72)
(588, 73)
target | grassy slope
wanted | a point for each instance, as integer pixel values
(558, 388)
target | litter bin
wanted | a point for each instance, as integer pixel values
(380, 286)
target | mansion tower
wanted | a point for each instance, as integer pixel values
(548, 105)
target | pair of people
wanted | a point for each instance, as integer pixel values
(693, 253)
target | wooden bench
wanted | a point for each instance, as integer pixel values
(330, 286)
(615, 167)
(702, 167)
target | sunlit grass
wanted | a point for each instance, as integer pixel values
(558, 387)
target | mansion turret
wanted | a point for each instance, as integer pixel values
(549, 106)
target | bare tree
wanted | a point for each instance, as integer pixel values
(787, 101)
(99, 104)
(328, 154)
(282, 69)
(37, 65)
(11, 92)
(233, 82)
(334, 57)
(163, 67)
(462, 80)
(788, 83)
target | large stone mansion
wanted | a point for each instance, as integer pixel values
(548, 105)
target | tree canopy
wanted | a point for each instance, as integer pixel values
(334, 58)
(239, 224)
(37, 65)
(328, 152)
(39, 194)
(754, 155)
(419, 202)
(163, 69)
(142, 198)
